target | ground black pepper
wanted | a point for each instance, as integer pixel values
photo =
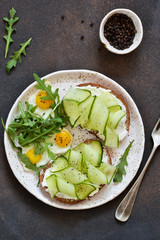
(120, 31)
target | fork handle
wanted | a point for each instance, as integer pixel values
(125, 207)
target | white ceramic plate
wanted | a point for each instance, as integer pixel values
(63, 80)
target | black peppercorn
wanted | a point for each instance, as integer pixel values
(120, 31)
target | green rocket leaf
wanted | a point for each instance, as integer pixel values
(17, 56)
(121, 166)
(9, 28)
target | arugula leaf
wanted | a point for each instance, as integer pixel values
(121, 166)
(26, 141)
(17, 55)
(28, 163)
(10, 135)
(50, 96)
(30, 128)
(39, 149)
(10, 30)
(51, 155)
(57, 105)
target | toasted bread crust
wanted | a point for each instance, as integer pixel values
(65, 200)
(117, 96)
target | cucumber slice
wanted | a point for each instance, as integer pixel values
(108, 99)
(79, 148)
(66, 187)
(59, 164)
(115, 108)
(84, 168)
(98, 116)
(83, 190)
(75, 160)
(95, 175)
(77, 94)
(111, 138)
(71, 175)
(66, 155)
(52, 185)
(84, 108)
(72, 110)
(108, 170)
(93, 152)
(114, 118)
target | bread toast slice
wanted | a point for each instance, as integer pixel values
(65, 200)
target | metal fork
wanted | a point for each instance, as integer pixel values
(125, 207)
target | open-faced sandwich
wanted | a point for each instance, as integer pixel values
(42, 133)
(99, 110)
(78, 174)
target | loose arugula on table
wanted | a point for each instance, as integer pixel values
(9, 27)
(121, 166)
(29, 128)
(17, 55)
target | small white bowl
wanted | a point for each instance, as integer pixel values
(138, 36)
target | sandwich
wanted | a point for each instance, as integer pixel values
(100, 110)
(79, 174)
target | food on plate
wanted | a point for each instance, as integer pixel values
(61, 142)
(44, 133)
(39, 135)
(99, 110)
(43, 107)
(120, 167)
(58, 143)
(78, 174)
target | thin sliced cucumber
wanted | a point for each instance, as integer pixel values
(95, 175)
(71, 175)
(66, 187)
(114, 118)
(77, 94)
(79, 148)
(98, 116)
(93, 152)
(72, 110)
(83, 190)
(108, 99)
(66, 155)
(75, 160)
(52, 185)
(84, 168)
(84, 109)
(115, 108)
(111, 138)
(108, 170)
(59, 164)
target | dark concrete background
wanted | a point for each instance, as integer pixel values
(57, 45)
